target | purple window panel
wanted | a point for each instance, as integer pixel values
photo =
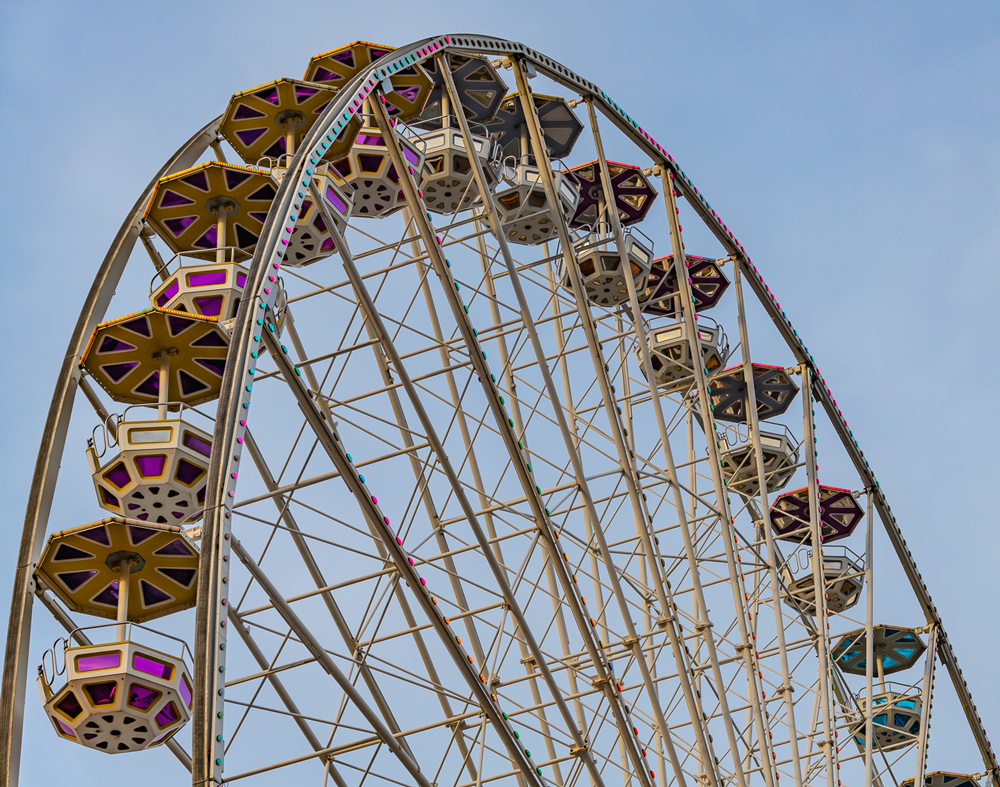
(168, 715)
(98, 661)
(213, 338)
(264, 193)
(206, 278)
(241, 278)
(243, 112)
(171, 199)
(67, 552)
(151, 466)
(215, 365)
(343, 167)
(182, 576)
(118, 475)
(369, 162)
(102, 693)
(250, 135)
(109, 596)
(65, 728)
(152, 595)
(154, 667)
(207, 240)
(116, 371)
(139, 325)
(70, 705)
(150, 386)
(176, 548)
(210, 306)
(178, 324)
(198, 179)
(112, 345)
(234, 178)
(195, 443)
(74, 580)
(138, 534)
(109, 499)
(99, 535)
(164, 297)
(270, 95)
(177, 226)
(142, 697)
(185, 691)
(335, 200)
(190, 385)
(408, 93)
(276, 148)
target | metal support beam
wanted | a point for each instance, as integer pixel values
(925, 705)
(330, 441)
(819, 580)
(773, 556)
(283, 695)
(313, 645)
(312, 566)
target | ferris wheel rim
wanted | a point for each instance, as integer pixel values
(225, 429)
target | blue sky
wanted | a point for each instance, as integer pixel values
(852, 147)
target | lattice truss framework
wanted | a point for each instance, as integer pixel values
(411, 581)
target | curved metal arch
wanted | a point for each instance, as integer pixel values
(46, 472)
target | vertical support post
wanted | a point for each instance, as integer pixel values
(220, 156)
(869, 638)
(220, 234)
(772, 552)
(712, 443)
(124, 569)
(164, 385)
(819, 583)
(925, 706)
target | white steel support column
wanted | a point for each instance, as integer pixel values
(869, 636)
(652, 553)
(819, 582)
(712, 443)
(925, 706)
(765, 518)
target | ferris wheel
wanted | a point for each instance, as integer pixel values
(434, 455)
